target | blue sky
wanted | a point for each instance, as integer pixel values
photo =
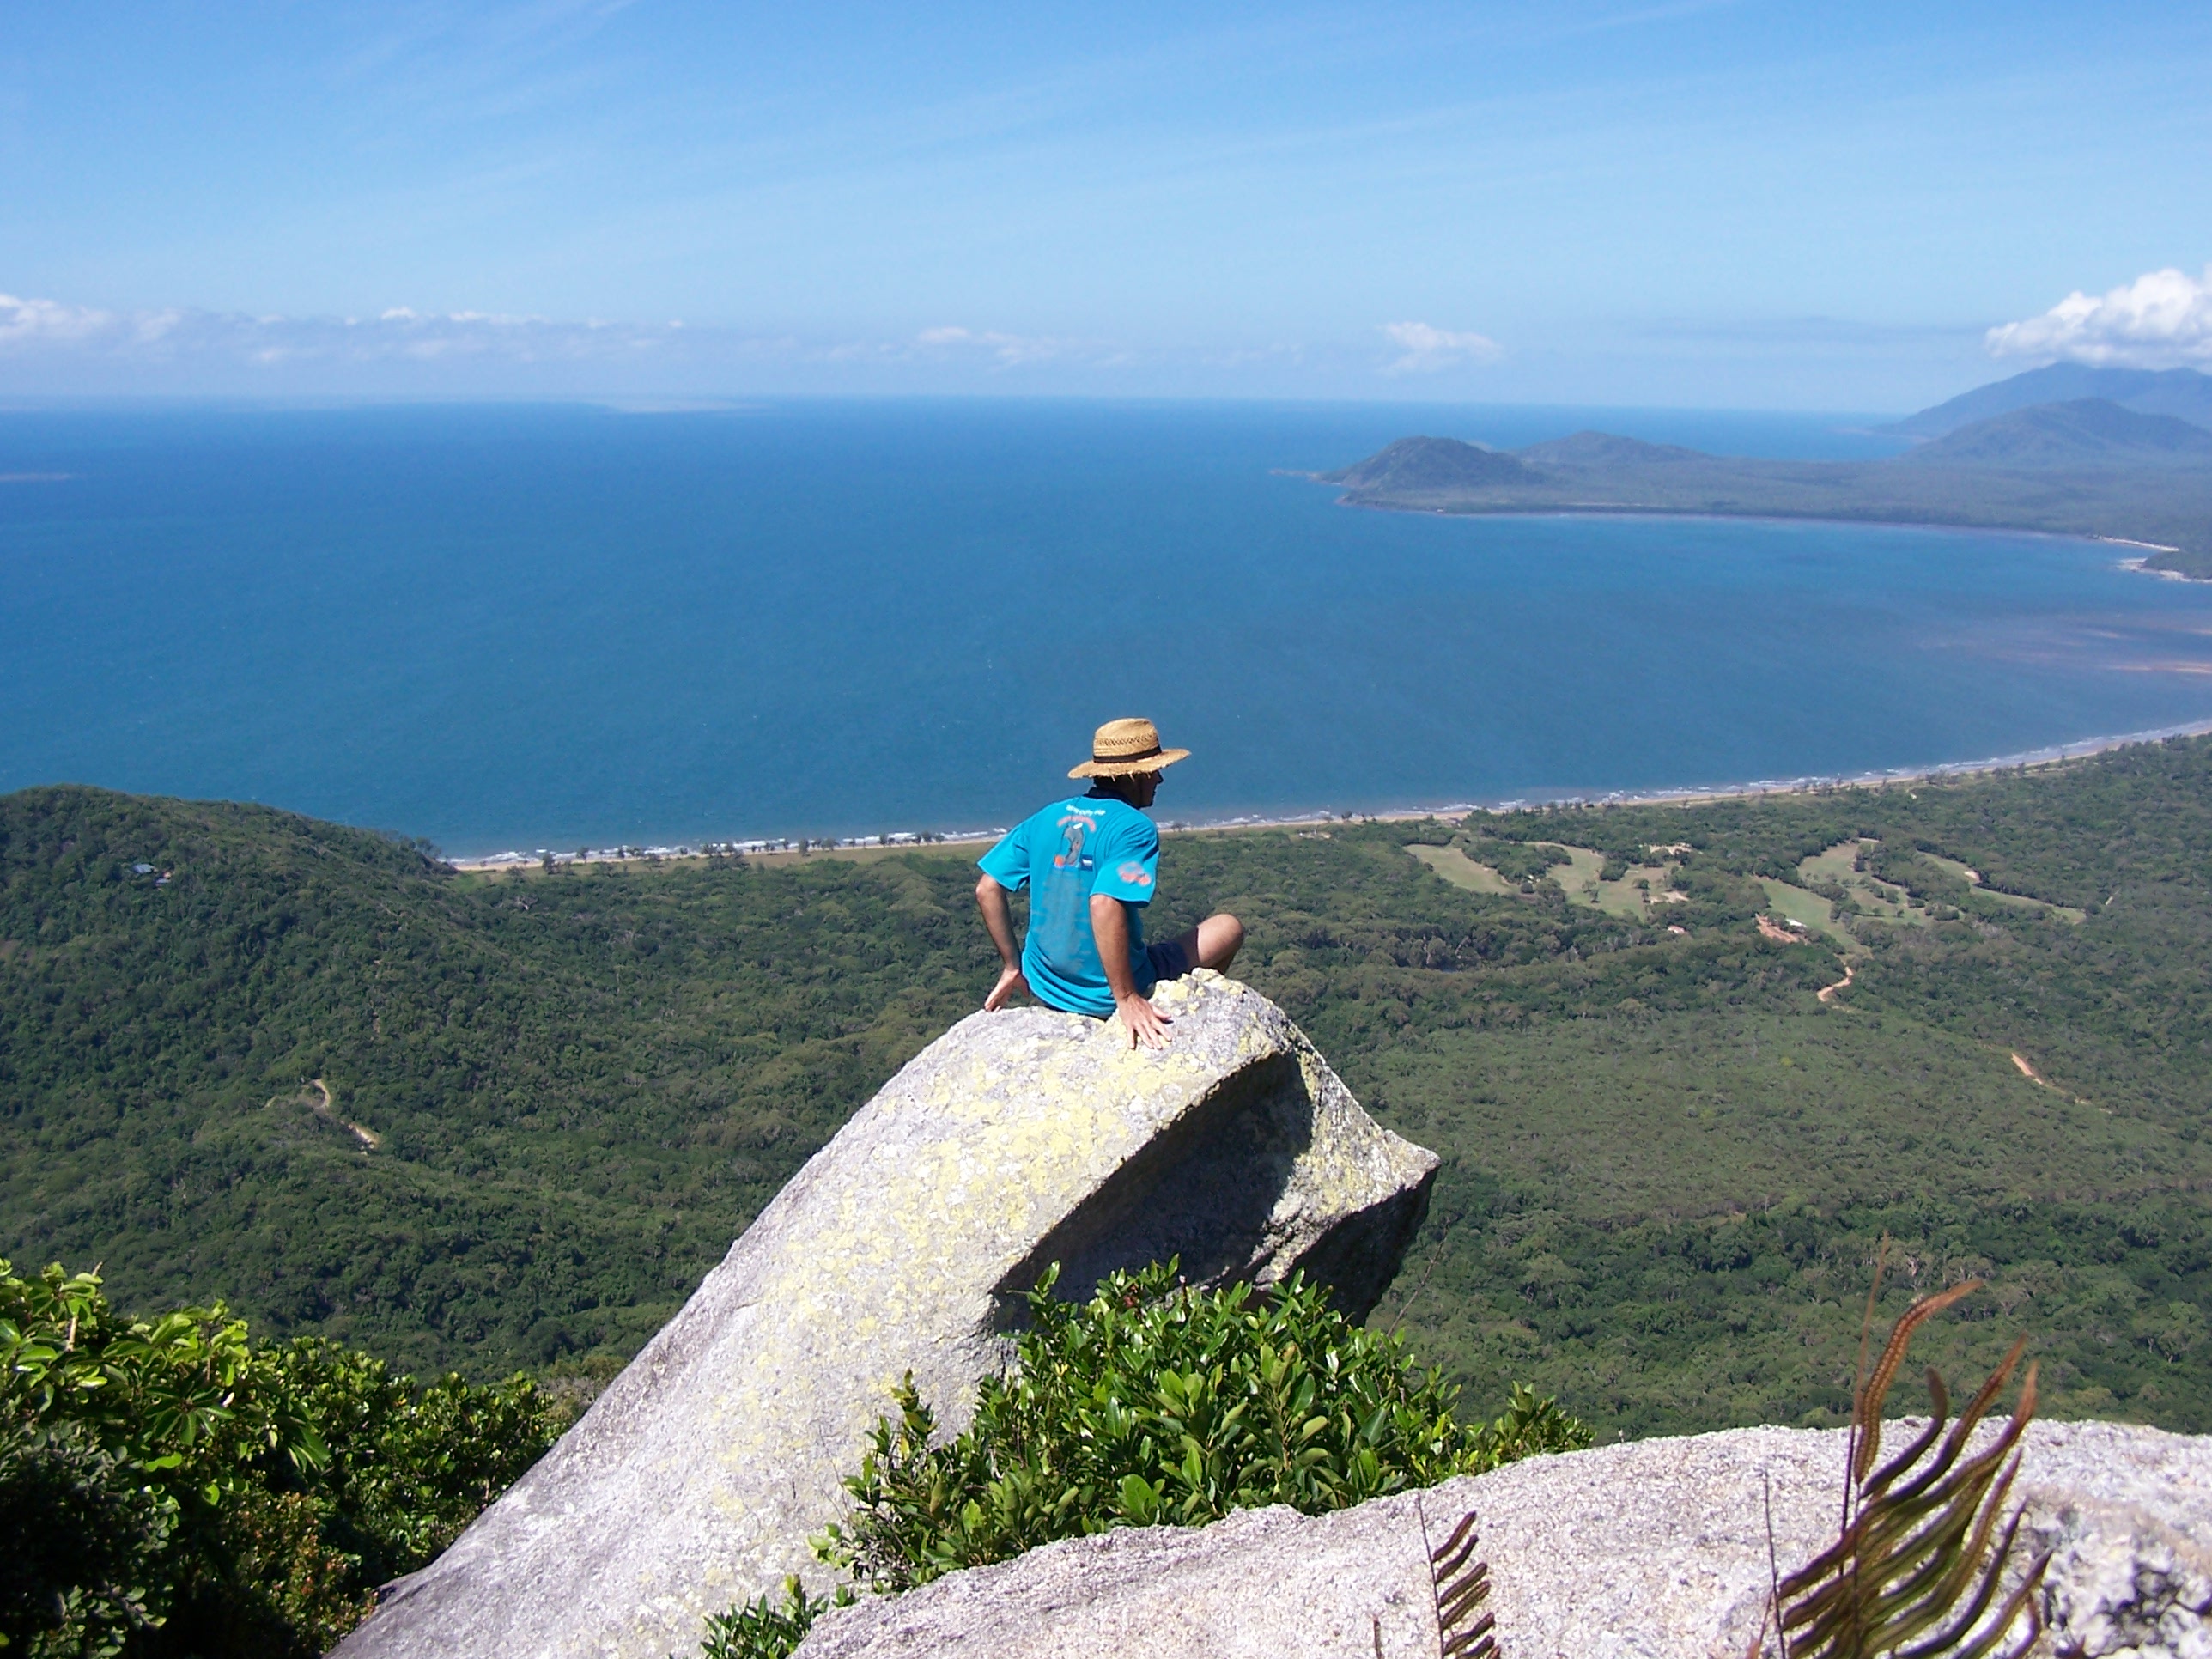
(1751, 205)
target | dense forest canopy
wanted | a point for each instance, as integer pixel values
(500, 1122)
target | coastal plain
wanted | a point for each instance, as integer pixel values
(501, 1120)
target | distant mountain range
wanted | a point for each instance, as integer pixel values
(2095, 459)
(2183, 393)
(2067, 434)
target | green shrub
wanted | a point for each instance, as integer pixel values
(172, 1486)
(761, 1629)
(1154, 1403)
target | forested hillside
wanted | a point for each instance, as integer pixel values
(582, 1088)
(1668, 1161)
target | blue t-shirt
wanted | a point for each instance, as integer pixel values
(1065, 855)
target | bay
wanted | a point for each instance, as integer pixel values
(558, 626)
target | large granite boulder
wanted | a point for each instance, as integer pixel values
(1016, 1140)
(1656, 1549)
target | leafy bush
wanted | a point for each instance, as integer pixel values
(762, 1630)
(171, 1487)
(1154, 1403)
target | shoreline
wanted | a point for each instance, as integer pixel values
(777, 849)
(1620, 510)
(2141, 565)
(2050, 755)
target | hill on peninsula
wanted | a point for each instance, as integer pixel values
(553, 1099)
(2082, 466)
(1430, 464)
(2183, 393)
(2067, 434)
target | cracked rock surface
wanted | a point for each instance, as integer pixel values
(1655, 1550)
(1017, 1140)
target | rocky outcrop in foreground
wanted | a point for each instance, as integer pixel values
(1658, 1548)
(1016, 1140)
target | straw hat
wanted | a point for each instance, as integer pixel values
(1120, 748)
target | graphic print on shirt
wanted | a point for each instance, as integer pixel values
(1068, 854)
(1075, 828)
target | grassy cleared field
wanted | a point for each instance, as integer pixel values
(1973, 877)
(1579, 875)
(1461, 870)
(1816, 914)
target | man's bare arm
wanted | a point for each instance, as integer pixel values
(998, 922)
(1110, 926)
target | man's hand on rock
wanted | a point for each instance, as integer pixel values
(998, 922)
(1010, 982)
(1142, 1022)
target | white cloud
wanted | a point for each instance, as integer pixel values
(34, 327)
(45, 341)
(392, 348)
(44, 322)
(1423, 350)
(1011, 349)
(2161, 320)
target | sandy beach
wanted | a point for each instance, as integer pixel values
(793, 850)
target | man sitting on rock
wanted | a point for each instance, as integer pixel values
(1090, 862)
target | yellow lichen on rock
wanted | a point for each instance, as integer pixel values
(1016, 1140)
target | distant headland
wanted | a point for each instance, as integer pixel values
(2120, 455)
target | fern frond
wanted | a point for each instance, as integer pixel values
(1461, 1585)
(1866, 1409)
(1921, 1557)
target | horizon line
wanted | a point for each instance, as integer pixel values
(735, 402)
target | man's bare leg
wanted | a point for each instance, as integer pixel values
(1211, 944)
(1214, 942)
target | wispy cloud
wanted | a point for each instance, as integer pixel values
(1009, 350)
(2161, 320)
(953, 344)
(400, 333)
(32, 322)
(48, 342)
(1423, 350)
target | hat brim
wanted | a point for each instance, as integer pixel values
(1128, 768)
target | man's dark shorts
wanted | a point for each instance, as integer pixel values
(1171, 959)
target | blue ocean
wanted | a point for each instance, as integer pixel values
(560, 626)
